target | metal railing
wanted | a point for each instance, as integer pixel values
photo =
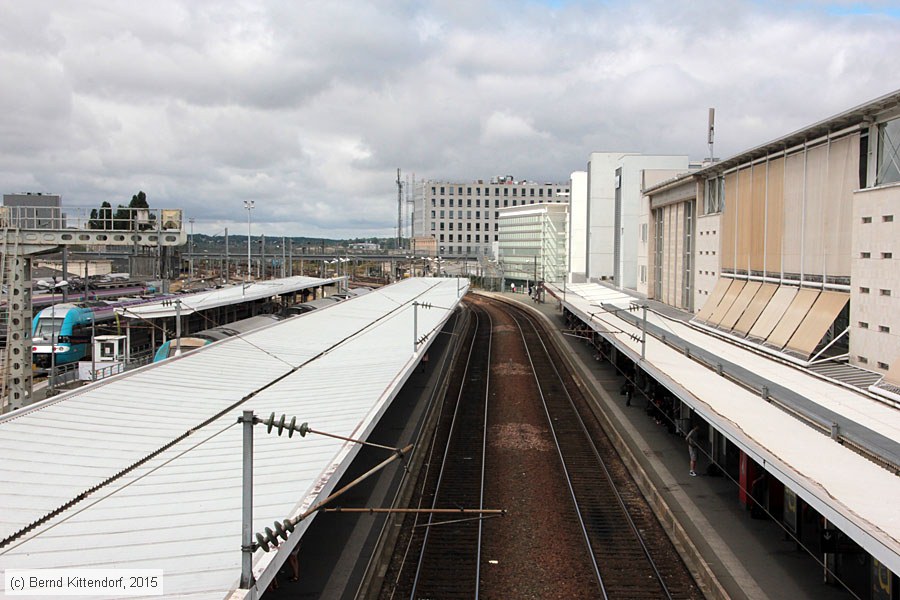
(53, 218)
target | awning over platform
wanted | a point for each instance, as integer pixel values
(143, 470)
(226, 296)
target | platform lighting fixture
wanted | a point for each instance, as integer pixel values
(249, 205)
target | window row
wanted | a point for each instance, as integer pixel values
(487, 203)
(459, 226)
(459, 238)
(881, 365)
(459, 214)
(530, 191)
(882, 292)
(884, 219)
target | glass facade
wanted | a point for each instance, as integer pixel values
(533, 243)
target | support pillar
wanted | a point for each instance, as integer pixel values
(18, 342)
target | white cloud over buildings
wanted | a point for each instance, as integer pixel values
(309, 107)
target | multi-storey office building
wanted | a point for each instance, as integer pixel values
(532, 242)
(791, 244)
(463, 218)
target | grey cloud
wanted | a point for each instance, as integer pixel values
(309, 107)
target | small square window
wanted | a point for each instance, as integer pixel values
(887, 218)
(885, 292)
(863, 290)
(887, 255)
(884, 329)
(863, 325)
(863, 360)
(865, 255)
(884, 366)
(867, 219)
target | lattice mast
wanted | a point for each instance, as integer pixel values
(399, 212)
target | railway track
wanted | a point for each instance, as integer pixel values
(632, 558)
(449, 560)
(433, 559)
(514, 432)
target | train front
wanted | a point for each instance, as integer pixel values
(52, 331)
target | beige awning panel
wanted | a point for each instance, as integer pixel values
(713, 301)
(740, 305)
(820, 317)
(792, 318)
(734, 290)
(757, 305)
(773, 312)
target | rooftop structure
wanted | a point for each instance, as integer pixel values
(801, 428)
(143, 470)
(791, 245)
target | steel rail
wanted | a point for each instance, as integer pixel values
(446, 454)
(426, 467)
(596, 453)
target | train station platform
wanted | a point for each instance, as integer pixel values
(143, 470)
(747, 558)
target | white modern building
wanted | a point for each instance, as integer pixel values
(577, 227)
(613, 204)
(463, 218)
(532, 242)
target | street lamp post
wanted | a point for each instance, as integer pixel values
(249, 205)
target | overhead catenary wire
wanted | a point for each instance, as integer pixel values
(190, 430)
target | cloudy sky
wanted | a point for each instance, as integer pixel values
(309, 108)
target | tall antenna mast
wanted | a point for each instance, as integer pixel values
(711, 132)
(399, 212)
(411, 205)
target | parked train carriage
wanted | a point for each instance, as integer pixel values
(305, 307)
(214, 334)
(66, 327)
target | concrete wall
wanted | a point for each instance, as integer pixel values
(577, 226)
(601, 216)
(631, 193)
(706, 257)
(875, 290)
(602, 260)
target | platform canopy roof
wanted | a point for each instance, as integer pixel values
(849, 490)
(143, 470)
(225, 296)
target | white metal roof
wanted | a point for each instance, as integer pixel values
(225, 296)
(851, 491)
(171, 430)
